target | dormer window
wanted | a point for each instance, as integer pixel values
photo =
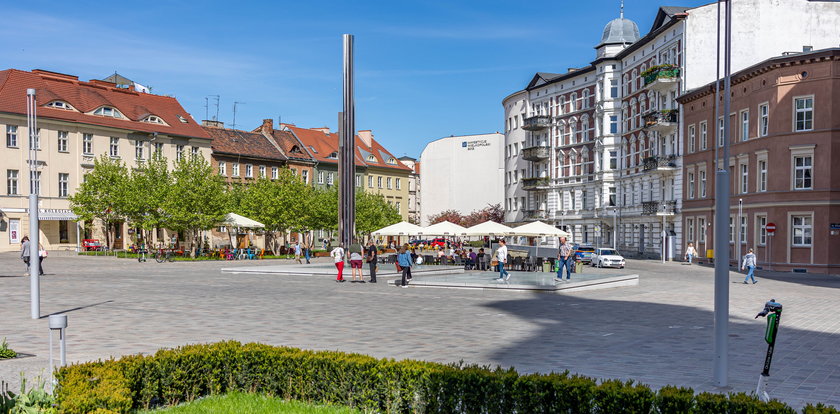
(154, 119)
(296, 149)
(392, 161)
(60, 105)
(333, 155)
(371, 158)
(182, 119)
(108, 111)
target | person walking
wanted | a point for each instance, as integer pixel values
(24, 252)
(307, 251)
(501, 257)
(338, 255)
(404, 260)
(42, 254)
(355, 252)
(372, 256)
(749, 263)
(690, 253)
(564, 260)
(297, 252)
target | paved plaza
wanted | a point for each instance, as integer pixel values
(659, 332)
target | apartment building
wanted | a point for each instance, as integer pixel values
(784, 131)
(77, 122)
(413, 188)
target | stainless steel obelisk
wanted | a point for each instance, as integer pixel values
(346, 149)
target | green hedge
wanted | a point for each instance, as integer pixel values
(374, 385)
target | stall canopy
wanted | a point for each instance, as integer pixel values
(444, 228)
(402, 228)
(488, 228)
(235, 220)
(538, 228)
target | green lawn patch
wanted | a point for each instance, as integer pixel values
(239, 402)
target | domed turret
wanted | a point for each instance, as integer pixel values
(620, 31)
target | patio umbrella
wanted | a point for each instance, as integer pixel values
(538, 229)
(444, 228)
(235, 220)
(402, 228)
(488, 228)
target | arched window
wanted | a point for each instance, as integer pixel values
(585, 99)
(574, 102)
(60, 105)
(108, 111)
(584, 128)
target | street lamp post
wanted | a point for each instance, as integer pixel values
(664, 236)
(738, 239)
(34, 262)
(615, 229)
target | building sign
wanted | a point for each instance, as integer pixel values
(834, 226)
(472, 145)
(14, 231)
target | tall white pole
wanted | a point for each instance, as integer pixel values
(615, 229)
(738, 239)
(34, 259)
(663, 233)
(721, 362)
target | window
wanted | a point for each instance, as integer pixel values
(36, 144)
(330, 178)
(223, 168)
(108, 111)
(397, 205)
(804, 114)
(59, 105)
(11, 136)
(370, 181)
(87, 144)
(613, 124)
(154, 119)
(763, 120)
(745, 125)
(612, 196)
(731, 229)
(762, 175)
(358, 180)
(62, 141)
(63, 184)
(249, 171)
(194, 151)
(743, 232)
(321, 176)
(801, 226)
(744, 178)
(721, 138)
(62, 232)
(262, 171)
(138, 150)
(389, 183)
(304, 175)
(802, 172)
(12, 182)
(761, 226)
(275, 173)
(689, 226)
(613, 160)
(613, 88)
(691, 185)
(704, 142)
(701, 229)
(35, 182)
(179, 152)
(234, 170)
(158, 148)
(703, 183)
(399, 184)
(115, 147)
(691, 136)
(379, 182)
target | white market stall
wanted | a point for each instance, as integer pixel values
(538, 229)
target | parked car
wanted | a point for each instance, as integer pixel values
(438, 242)
(584, 253)
(418, 242)
(607, 257)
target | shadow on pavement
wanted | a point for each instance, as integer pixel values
(76, 308)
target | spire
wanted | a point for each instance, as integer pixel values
(621, 14)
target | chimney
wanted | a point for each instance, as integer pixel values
(367, 137)
(267, 126)
(213, 123)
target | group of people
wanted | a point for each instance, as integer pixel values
(25, 255)
(748, 262)
(565, 260)
(355, 254)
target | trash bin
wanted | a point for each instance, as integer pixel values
(546, 267)
(578, 267)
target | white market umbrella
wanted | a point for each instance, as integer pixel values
(444, 228)
(537, 229)
(488, 228)
(235, 220)
(402, 228)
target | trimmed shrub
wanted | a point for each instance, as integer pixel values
(369, 384)
(819, 409)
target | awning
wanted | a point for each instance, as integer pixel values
(235, 220)
(444, 228)
(538, 228)
(56, 214)
(402, 228)
(488, 228)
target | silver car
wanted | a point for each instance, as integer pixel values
(607, 257)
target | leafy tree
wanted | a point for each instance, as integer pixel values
(322, 209)
(490, 213)
(146, 193)
(197, 200)
(373, 212)
(102, 195)
(281, 204)
(447, 215)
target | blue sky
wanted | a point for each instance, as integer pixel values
(424, 69)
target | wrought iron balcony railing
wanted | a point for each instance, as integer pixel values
(660, 163)
(652, 208)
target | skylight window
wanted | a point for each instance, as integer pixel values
(154, 119)
(108, 111)
(313, 149)
(60, 105)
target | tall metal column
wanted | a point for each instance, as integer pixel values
(346, 149)
(34, 262)
(722, 215)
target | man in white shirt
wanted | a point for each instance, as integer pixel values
(501, 256)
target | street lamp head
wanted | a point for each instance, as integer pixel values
(30, 91)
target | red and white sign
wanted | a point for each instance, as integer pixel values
(771, 228)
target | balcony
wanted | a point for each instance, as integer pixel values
(664, 122)
(660, 163)
(536, 153)
(532, 215)
(535, 183)
(659, 208)
(536, 123)
(662, 78)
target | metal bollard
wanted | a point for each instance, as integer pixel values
(58, 323)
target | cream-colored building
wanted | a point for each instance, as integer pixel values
(77, 122)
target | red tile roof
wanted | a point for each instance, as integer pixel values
(243, 143)
(321, 144)
(88, 96)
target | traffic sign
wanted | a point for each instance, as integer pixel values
(771, 228)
